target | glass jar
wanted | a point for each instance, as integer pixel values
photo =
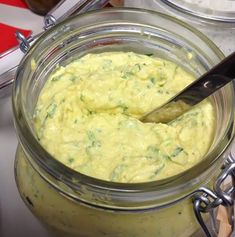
(215, 18)
(72, 204)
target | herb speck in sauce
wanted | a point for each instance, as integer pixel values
(87, 117)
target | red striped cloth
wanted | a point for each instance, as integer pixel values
(7, 32)
(8, 39)
(15, 3)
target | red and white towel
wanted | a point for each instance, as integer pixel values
(14, 15)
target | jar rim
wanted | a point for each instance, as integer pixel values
(67, 175)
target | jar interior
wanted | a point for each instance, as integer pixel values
(124, 36)
(123, 30)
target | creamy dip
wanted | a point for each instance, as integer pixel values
(87, 118)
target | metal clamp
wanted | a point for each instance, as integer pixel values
(60, 12)
(206, 200)
(49, 21)
(24, 43)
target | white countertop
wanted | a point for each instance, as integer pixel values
(15, 218)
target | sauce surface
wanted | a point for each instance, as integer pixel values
(87, 118)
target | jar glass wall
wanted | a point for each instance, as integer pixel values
(69, 202)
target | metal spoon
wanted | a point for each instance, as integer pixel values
(207, 84)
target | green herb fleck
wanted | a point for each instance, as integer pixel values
(92, 139)
(149, 54)
(56, 78)
(72, 78)
(130, 71)
(91, 135)
(71, 160)
(90, 112)
(152, 152)
(153, 80)
(177, 151)
(106, 64)
(125, 75)
(179, 156)
(124, 108)
(193, 114)
(117, 172)
(138, 66)
(157, 171)
(51, 110)
(82, 97)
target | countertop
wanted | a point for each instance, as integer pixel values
(15, 218)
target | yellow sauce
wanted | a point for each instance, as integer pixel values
(87, 118)
(64, 217)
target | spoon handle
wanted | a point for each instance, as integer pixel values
(207, 84)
